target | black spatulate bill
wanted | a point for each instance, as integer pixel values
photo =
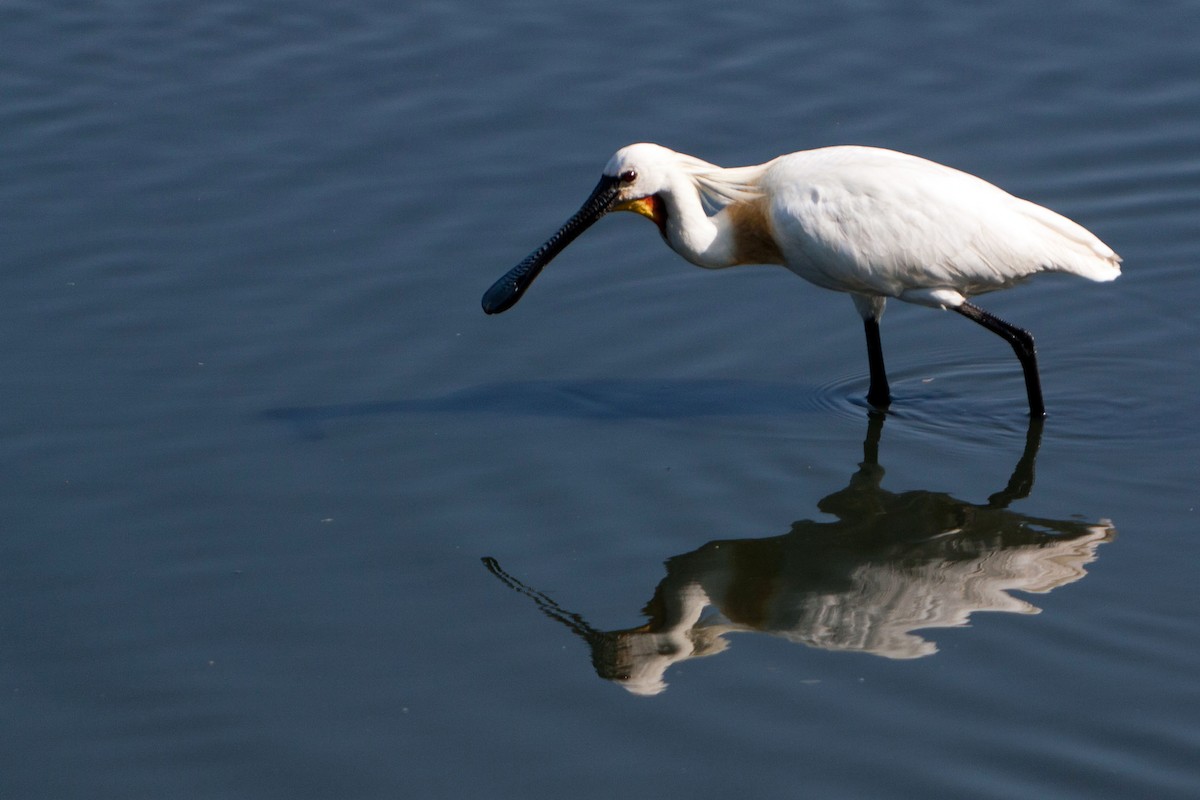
(505, 292)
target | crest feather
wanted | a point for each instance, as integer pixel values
(720, 186)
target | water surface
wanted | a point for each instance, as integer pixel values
(287, 516)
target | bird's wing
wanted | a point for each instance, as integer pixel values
(878, 222)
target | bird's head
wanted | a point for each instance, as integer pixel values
(642, 172)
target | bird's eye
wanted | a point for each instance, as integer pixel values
(628, 176)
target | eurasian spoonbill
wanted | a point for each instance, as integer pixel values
(871, 222)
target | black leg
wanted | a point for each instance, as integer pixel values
(879, 395)
(1022, 344)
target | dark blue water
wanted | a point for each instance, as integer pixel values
(285, 515)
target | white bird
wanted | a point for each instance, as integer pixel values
(871, 222)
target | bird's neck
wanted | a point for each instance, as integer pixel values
(692, 233)
(738, 234)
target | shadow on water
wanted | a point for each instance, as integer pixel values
(663, 399)
(892, 563)
(584, 399)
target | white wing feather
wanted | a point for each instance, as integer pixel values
(862, 219)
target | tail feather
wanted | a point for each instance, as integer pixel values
(1073, 248)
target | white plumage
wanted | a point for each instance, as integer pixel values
(871, 222)
(867, 220)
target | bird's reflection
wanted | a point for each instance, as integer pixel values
(892, 563)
